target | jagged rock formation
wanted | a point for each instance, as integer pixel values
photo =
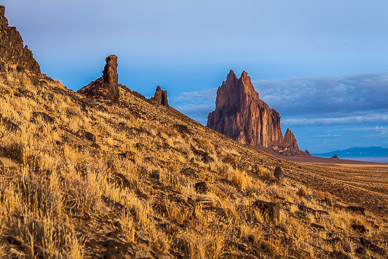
(106, 86)
(160, 97)
(241, 115)
(12, 49)
(290, 144)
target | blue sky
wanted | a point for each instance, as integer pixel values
(296, 51)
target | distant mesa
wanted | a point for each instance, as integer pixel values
(241, 115)
(107, 85)
(160, 97)
(13, 53)
(358, 152)
(335, 157)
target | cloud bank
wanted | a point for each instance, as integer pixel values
(336, 100)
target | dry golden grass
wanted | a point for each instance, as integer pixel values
(131, 188)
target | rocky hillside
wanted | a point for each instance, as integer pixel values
(91, 176)
(241, 115)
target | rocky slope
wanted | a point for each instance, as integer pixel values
(241, 115)
(87, 177)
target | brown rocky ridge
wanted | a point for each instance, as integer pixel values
(241, 115)
(13, 53)
(106, 86)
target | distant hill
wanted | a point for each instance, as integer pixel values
(357, 152)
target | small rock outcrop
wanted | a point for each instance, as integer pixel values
(335, 157)
(160, 97)
(241, 115)
(12, 49)
(289, 145)
(106, 86)
(290, 141)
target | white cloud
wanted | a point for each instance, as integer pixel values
(328, 136)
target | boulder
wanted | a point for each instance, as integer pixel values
(278, 173)
(201, 187)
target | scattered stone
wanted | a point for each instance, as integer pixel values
(114, 249)
(339, 241)
(269, 208)
(160, 97)
(320, 227)
(183, 129)
(312, 211)
(360, 251)
(44, 116)
(359, 228)
(327, 201)
(368, 244)
(338, 255)
(122, 180)
(278, 173)
(300, 214)
(188, 171)
(302, 192)
(201, 187)
(89, 136)
(9, 125)
(155, 174)
(3, 67)
(118, 207)
(205, 157)
(143, 255)
(356, 209)
(107, 85)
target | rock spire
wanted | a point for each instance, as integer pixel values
(160, 97)
(107, 85)
(240, 114)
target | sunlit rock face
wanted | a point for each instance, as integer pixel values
(241, 115)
